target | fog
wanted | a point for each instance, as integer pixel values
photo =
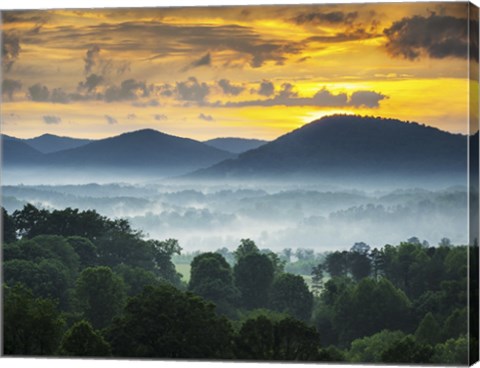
(275, 215)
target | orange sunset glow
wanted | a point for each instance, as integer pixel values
(242, 71)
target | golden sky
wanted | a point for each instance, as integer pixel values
(254, 72)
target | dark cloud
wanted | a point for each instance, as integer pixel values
(39, 93)
(202, 116)
(149, 103)
(10, 50)
(205, 60)
(352, 35)
(10, 86)
(91, 83)
(436, 36)
(129, 89)
(323, 98)
(59, 96)
(160, 117)
(336, 17)
(366, 98)
(229, 88)
(52, 119)
(131, 116)
(192, 90)
(266, 88)
(111, 120)
(92, 58)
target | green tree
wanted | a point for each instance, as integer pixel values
(317, 279)
(9, 233)
(336, 263)
(428, 331)
(408, 350)
(359, 261)
(100, 295)
(136, 278)
(245, 248)
(453, 351)
(86, 250)
(371, 307)
(253, 276)
(211, 277)
(163, 322)
(163, 251)
(31, 326)
(370, 349)
(287, 339)
(290, 295)
(82, 340)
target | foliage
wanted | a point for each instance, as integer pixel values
(82, 340)
(290, 295)
(31, 326)
(164, 322)
(253, 277)
(370, 349)
(100, 295)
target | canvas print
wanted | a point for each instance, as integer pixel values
(241, 183)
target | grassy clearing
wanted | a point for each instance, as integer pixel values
(184, 269)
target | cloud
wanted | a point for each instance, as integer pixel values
(10, 86)
(149, 103)
(435, 36)
(39, 93)
(366, 98)
(230, 89)
(160, 117)
(192, 90)
(59, 96)
(91, 83)
(92, 58)
(266, 88)
(131, 116)
(202, 116)
(52, 119)
(111, 120)
(205, 60)
(10, 49)
(336, 17)
(129, 89)
(323, 98)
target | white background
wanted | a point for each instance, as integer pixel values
(81, 363)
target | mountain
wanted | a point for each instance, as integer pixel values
(15, 151)
(48, 143)
(350, 147)
(144, 150)
(235, 145)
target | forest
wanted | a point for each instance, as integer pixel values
(76, 283)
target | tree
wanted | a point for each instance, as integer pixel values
(135, 278)
(453, 351)
(211, 277)
(100, 295)
(359, 265)
(428, 331)
(371, 307)
(9, 233)
(245, 248)
(378, 263)
(287, 339)
(31, 326)
(317, 279)
(287, 253)
(290, 295)
(336, 263)
(82, 340)
(370, 349)
(86, 250)
(445, 242)
(163, 252)
(163, 322)
(408, 350)
(253, 275)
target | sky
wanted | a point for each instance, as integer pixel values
(242, 71)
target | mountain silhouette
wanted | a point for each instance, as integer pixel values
(17, 152)
(235, 145)
(48, 143)
(143, 150)
(346, 146)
